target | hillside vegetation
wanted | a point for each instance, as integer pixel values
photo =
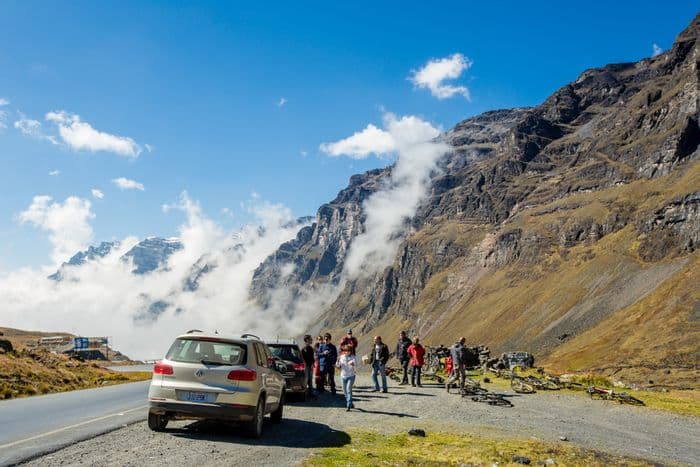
(26, 371)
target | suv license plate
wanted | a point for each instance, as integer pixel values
(196, 396)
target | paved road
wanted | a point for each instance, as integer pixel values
(638, 432)
(35, 425)
(131, 368)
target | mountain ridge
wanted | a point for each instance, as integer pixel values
(596, 187)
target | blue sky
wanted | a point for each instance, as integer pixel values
(201, 84)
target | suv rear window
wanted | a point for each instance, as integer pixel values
(290, 353)
(207, 351)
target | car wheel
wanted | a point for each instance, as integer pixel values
(276, 416)
(255, 426)
(156, 422)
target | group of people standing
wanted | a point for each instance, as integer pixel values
(410, 353)
(322, 358)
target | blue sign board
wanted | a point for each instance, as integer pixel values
(80, 343)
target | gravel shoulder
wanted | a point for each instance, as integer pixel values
(604, 426)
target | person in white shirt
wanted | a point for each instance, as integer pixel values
(347, 365)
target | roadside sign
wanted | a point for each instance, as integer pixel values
(80, 343)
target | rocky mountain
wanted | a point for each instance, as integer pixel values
(151, 253)
(146, 256)
(569, 230)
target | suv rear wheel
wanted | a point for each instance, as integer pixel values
(254, 427)
(157, 422)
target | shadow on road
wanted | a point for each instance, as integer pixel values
(380, 412)
(285, 434)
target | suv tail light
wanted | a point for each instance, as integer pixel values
(245, 374)
(162, 369)
(299, 367)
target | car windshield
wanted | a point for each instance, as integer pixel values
(207, 351)
(290, 353)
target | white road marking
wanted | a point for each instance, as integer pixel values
(32, 438)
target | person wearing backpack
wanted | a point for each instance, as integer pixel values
(457, 352)
(417, 352)
(402, 355)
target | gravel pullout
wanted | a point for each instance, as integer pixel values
(600, 425)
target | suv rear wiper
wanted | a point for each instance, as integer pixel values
(210, 362)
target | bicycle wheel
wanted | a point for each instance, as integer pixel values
(521, 387)
(550, 385)
(625, 398)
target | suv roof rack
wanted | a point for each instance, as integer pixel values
(245, 336)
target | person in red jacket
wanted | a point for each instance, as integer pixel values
(417, 352)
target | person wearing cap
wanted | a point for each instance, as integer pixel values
(350, 341)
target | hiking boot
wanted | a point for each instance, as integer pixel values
(385, 390)
(375, 390)
(403, 383)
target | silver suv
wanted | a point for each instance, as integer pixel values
(216, 377)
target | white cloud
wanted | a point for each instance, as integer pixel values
(67, 224)
(388, 210)
(32, 128)
(149, 147)
(434, 74)
(80, 135)
(656, 50)
(382, 142)
(281, 102)
(371, 140)
(303, 153)
(55, 173)
(103, 297)
(127, 184)
(3, 113)
(97, 193)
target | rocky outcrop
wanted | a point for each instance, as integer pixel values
(673, 228)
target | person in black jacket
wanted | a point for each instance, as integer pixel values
(402, 354)
(308, 354)
(378, 357)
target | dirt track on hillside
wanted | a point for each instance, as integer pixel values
(600, 425)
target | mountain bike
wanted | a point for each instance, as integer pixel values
(521, 385)
(393, 373)
(597, 392)
(493, 398)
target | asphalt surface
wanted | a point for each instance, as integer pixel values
(637, 432)
(36, 425)
(131, 368)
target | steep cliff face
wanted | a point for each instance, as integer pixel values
(541, 226)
